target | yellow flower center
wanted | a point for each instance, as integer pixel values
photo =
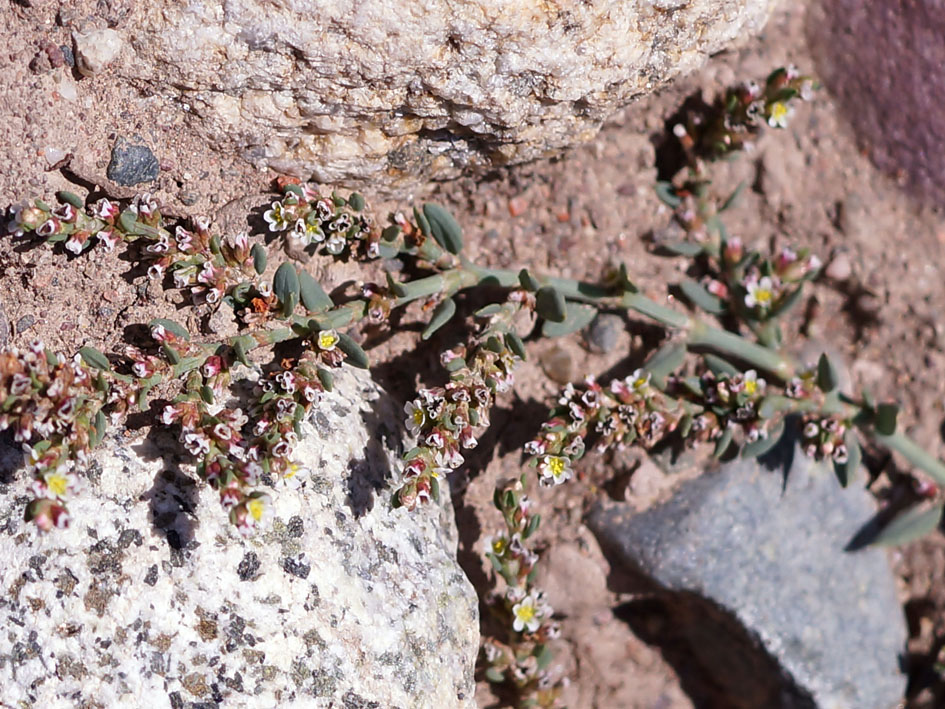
(763, 295)
(327, 340)
(751, 386)
(525, 613)
(256, 507)
(556, 465)
(58, 484)
(778, 111)
(639, 383)
(418, 416)
(498, 546)
(291, 470)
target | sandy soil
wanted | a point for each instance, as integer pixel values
(813, 185)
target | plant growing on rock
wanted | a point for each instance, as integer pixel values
(720, 378)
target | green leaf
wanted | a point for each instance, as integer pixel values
(285, 284)
(179, 331)
(666, 360)
(758, 448)
(847, 471)
(732, 198)
(354, 355)
(98, 431)
(314, 297)
(719, 366)
(239, 349)
(206, 393)
(667, 193)
(71, 198)
(455, 364)
(356, 201)
(515, 344)
(446, 232)
(326, 378)
(827, 377)
(577, 316)
(724, 442)
(786, 303)
(886, 419)
(94, 358)
(528, 281)
(701, 298)
(550, 304)
(435, 489)
(682, 248)
(260, 258)
(441, 315)
(488, 310)
(493, 674)
(170, 353)
(544, 656)
(422, 222)
(128, 221)
(531, 527)
(911, 525)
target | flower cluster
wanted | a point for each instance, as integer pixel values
(445, 419)
(735, 119)
(333, 224)
(764, 285)
(235, 450)
(629, 410)
(56, 409)
(721, 402)
(522, 659)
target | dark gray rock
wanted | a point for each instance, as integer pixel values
(751, 593)
(603, 332)
(132, 164)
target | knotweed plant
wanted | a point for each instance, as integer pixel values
(721, 377)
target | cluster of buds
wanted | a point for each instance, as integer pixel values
(56, 409)
(732, 123)
(762, 285)
(522, 660)
(444, 420)
(629, 410)
(823, 437)
(333, 224)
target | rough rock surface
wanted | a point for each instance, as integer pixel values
(385, 90)
(760, 603)
(151, 600)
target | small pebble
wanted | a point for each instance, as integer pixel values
(839, 268)
(602, 334)
(557, 364)
(95, 50)
(188, 198)
(132, 164)
(517, 206)
(25, 323)
(67, 56)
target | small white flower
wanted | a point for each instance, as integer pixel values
(555, 469)
(761, 293)
(415, 417)
(778, 114)
(526, 614)
(276, 217)
(753, 384)
(336, 244)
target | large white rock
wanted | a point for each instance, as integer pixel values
(152, 600)
(389, 90)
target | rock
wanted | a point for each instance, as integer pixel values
(603, 332)
(132, 164)
(96, 49)
(558, 364)
(151, 599)
(391, 90)
(752, 578)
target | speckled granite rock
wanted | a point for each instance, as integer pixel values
(389, 90)
(151, 600)
(756, 600)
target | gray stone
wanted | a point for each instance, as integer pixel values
(132, 164)
(151, 599)
(386, 90)
(603, 332)
(750, 577)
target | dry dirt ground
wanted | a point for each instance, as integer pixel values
(881, 230)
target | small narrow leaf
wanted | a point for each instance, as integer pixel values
(314, 297)
(701, 298)
(441, 315)
(681, 248)
(206, 393)
(911, 525)
(732, 198)
(354, 355)
(170, 353)
(285, 284)
(719, 366)
(239, 350)
(94, 358)
(326, 378)
(827, 377)
(515, 344)
(786, 303)
(724, 442)
(488, 310)
(577, 316)
(528, 280)
(356, 201)
(845, 472)
(260, 258)
(886, 419)
(666, 360)
(422, 222)
(667, 193)
(127, 221)
(550, 304)
(179, 331)
(446, 231)
(70, 197)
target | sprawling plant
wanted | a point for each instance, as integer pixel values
(722, 377)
